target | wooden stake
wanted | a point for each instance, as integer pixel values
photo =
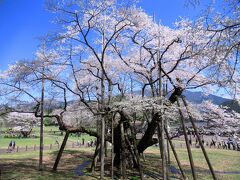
(162, 149)
(168, 148)
(96, 153)
(41, 124)
(135, 157)
(159, 140)
(61, 151)
(123, 159)
(133, 132)
(161, 123)
(187, 142)
(175, 154)
(102, 148)
(112, 156)
(199, 139)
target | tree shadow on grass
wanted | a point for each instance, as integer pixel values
(28, 168)
(73, 159)
(153, 161)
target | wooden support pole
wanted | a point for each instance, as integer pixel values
(135, 155)
(162, 148)
(96, 153)
(161, 123)
(168, 148)
(61, 151)
(112, 152)
(41, 145)
(131, 150)
(106, 148)
(175, 154)
(159, 140)
(102, 105)
(139, 162)
(187, 142)
(133, 132)
(123, 155)
(102, 151)
(199, 139)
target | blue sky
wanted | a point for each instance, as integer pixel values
(24, 21)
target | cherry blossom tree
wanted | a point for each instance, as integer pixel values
(108, 53)
(23, 86)
(21, 123)
(218, 116)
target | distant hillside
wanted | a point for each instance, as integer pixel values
(199, 97)
(232, 104)
(194, 97)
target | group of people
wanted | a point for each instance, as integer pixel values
(11, 146)
(229, 144)
(190, 134)
(215, 142)
(90, 143)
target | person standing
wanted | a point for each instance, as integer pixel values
(196, 142)
(13, 145)
(10, 146)
(202, 139)
(190, 142)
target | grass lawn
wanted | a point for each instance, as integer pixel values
(51, 134)
(24, 165)
(222, 161)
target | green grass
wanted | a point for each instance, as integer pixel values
(23, 155)
(51, 134)
(24, 164)
(22, 142)
(221, 160)
(35, 154)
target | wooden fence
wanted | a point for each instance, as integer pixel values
(36, 148)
